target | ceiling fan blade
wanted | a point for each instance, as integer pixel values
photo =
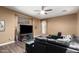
(48, 10)
(42, 7)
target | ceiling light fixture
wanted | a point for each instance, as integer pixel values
(42, 12)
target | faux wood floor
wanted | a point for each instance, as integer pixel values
(18, 47)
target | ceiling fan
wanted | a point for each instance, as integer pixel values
(43, 11)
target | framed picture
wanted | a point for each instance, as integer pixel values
(2, 26)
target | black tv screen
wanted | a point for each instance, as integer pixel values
(24, 29)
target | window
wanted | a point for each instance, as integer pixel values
(43, 23)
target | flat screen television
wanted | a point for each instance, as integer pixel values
(24, 29)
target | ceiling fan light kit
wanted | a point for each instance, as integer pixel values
(42, 12)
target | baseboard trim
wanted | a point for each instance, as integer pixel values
(7, 43)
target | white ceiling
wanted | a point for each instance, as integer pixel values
(57, 10)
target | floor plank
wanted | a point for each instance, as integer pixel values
(18, 47)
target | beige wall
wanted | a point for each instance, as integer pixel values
(10, 23)
(36, 27)
(78, 23)
(65, 24)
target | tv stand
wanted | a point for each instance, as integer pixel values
(25, 37)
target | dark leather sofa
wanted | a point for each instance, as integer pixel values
(45, 46)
